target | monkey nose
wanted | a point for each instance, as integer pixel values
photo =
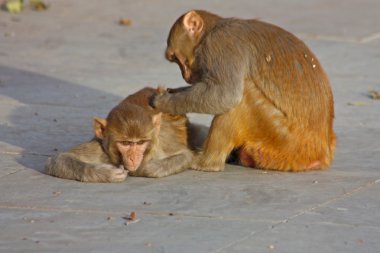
(132, 164)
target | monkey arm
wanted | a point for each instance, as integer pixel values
(171, 165)
(86, 162)
(203, 97)
(69, 166)
(65, 165)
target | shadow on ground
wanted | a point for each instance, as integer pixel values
(45, 115)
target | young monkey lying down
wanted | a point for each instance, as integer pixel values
(134, 140)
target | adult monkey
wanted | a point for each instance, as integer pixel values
(271, 98)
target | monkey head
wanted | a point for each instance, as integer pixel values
(128, 134)
(184, 36)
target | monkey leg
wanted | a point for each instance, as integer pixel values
(222, 138)
(299, 153)
(275, 141)
(171, 165)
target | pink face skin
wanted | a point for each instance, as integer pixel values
(132, 152)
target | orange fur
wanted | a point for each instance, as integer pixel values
(270, 96)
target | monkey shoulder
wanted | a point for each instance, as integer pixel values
(253, 35)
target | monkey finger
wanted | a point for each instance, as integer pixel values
(176, 90)
(161, 89)
(121, 171)
(152, 100)
(160, 100)
(118, 175)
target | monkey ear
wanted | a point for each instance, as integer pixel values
(99, 127)
(156, 119)
(193, 23)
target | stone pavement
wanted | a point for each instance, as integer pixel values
(61, 67)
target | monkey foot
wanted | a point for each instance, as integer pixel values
(207, 168)
(314, 165)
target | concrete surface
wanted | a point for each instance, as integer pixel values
(60, 67)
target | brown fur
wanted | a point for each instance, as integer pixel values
(270, 94)
(99, 160)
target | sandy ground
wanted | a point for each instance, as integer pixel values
(61, 67)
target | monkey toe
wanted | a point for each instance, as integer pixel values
(202, 162)
(207, 168)
(314, 165)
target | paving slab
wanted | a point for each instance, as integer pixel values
(61, 67)
(333, 228)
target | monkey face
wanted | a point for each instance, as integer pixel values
(128, 134)
(180, 49)
(183, 39)
(183, 61)
(132, 152)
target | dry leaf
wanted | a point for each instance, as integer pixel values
(374, 94)
(38, 5)
(357, 103)
(14, 6)
(56, 194)
(125, 22)
(133, 216)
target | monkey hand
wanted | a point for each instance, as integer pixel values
(105, 173)
(161, 90)
(161, 102)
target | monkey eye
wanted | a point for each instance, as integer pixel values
(141, 142)
(130, 143)
(126, 143)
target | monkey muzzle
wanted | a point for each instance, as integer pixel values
(132, 162)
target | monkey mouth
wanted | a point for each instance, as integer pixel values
(131, 168)
(191, 77)
(132, 165)
(186, 73)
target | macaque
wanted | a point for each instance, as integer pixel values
(134, 140)
(271, 98)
